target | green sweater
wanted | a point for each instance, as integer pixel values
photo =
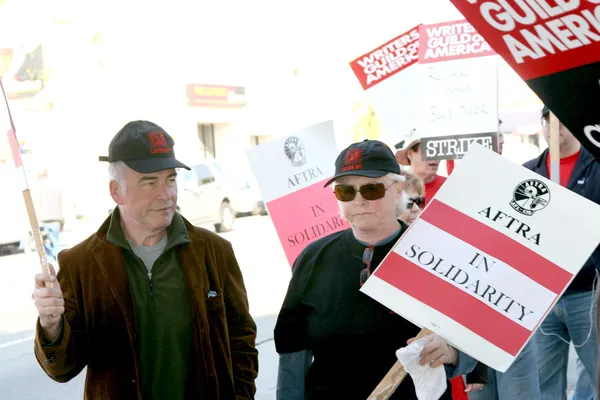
(163, 314)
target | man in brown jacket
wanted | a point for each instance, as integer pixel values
(154, 307)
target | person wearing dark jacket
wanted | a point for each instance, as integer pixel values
(334, 341)
(570, 321)
(153, 306)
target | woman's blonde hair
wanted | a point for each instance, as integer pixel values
(413, 183)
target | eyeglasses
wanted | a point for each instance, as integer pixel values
(370, 191)
(366, 259)
(419, 201)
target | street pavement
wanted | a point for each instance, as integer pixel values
(266, 276)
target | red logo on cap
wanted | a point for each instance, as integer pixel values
(158, 143)
(352, 160)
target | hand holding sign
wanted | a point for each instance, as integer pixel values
(394, 377)
(437, 352)
(49, 302)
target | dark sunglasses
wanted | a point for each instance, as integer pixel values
(366, 259)
(370, 191)
(419, 201)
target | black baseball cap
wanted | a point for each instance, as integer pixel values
(370, 158)
(144, 147)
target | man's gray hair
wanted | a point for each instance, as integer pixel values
(116, 172)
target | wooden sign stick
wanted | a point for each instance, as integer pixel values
(394, 377)
(554, 149)
(37, 235)
(6, 122)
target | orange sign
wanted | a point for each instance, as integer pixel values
(201, 95)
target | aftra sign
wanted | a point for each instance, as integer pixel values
(555, 47)
(480, 266)
(290, 172)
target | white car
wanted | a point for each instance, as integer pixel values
(207, 195)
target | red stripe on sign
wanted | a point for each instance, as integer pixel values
(451, 301)
(15, 149)
(388, 59)
(497, 245)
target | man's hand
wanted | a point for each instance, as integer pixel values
(437, 352)
(474, 387)
(49, 303)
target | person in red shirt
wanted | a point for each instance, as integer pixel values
(568, 323)
(569, 149)
(409, 154)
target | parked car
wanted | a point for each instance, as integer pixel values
(208, 195)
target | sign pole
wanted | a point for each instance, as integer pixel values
(8, 125)
(554, 148)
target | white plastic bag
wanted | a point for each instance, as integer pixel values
(430, 383)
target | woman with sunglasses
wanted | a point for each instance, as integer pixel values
(415, 193)
(334, 341)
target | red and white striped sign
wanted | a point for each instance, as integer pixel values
(486, 260)
(7, 129)
(291, 172)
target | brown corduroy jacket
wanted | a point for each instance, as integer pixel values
(99, 325)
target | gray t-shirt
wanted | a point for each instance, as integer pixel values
(149, 254)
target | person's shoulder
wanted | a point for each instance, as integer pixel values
(403, 227)
(209, 238)
(534, 162)
(530, 164)
(588, 158)
(79, 254)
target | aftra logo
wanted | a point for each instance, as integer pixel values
(294, 150)
(530, 196)
(588, 133)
